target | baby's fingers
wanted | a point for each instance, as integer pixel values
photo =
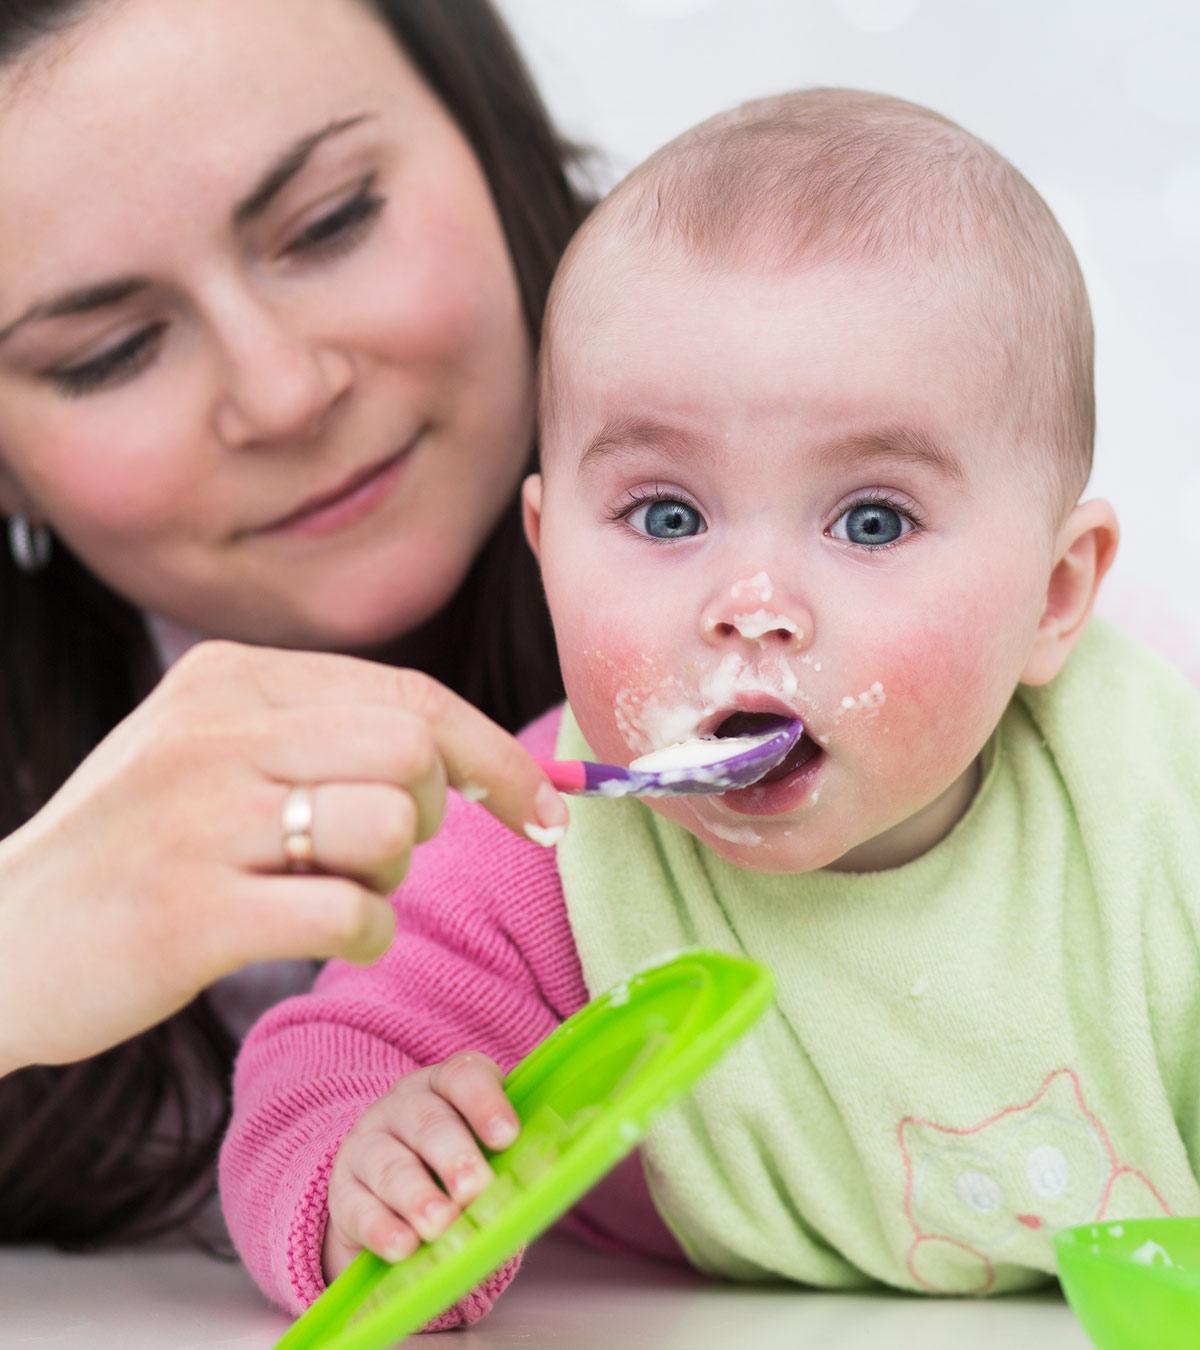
(359, 1219)
(396, 1176)
(471, 1083)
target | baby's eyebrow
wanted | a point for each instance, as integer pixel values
(628, 435)
(908, 445)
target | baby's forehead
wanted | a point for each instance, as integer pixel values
(655, 350)
(659, 298)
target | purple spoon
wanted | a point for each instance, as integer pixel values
(703, 765)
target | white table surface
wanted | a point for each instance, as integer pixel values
(565, 1295)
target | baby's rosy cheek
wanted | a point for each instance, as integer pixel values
(614, 689)
(942, 699)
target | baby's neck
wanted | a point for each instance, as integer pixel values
(916, 835)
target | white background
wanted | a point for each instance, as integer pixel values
(1097, 102)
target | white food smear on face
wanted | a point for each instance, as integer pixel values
(759, 623)
(650, 720)
(758, 587)
(870, 700)
(733, 834)
(1151, 1254)
(472, 792)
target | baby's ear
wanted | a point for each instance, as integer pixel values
(1084, 551)
(531, 512)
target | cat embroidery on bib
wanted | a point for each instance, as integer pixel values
(995, 1192)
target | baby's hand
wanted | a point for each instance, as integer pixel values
(382, 1191)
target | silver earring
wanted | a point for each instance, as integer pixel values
(30, 544)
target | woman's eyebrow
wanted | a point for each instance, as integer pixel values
(287, 166)
(80, 301)
(84, 299)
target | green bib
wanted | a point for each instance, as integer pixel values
(967, 1052)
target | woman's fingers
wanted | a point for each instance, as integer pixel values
(285, 917)
(348, 743)
(484, 759)
(477, 754)
(363, 830)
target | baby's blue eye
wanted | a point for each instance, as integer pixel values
(667, 519)
(871, 524)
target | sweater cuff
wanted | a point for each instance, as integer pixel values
(476, 1305)
(306, 1234)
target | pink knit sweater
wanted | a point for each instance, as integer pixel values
(483, 960)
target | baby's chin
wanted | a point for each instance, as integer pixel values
(777, 846)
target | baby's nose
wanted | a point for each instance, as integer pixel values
(763, 625)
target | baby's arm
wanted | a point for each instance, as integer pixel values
(483, 959)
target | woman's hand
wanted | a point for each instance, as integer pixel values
(159, 866)
(382, 1191)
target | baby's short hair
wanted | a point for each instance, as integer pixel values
(845, 175)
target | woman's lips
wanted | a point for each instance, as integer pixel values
(355, 498)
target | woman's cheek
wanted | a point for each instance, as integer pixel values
(93, 486)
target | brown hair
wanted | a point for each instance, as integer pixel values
(846, 175)
(120, 1147)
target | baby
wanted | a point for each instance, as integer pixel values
(816, 415)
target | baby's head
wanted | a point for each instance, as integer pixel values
(816, 413)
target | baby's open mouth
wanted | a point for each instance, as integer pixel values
(754, 724)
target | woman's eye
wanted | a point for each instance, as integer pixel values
(665, 518)
(872, 524)
(119, 363)
(342, 228)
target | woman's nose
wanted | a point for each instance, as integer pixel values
(763, 620)
(280, 387)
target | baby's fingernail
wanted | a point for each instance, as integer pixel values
(398, 1250)
(501, 1132)
(471, 1178)
(435, 1217)
(551, 809)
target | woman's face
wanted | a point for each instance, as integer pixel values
(262, 358)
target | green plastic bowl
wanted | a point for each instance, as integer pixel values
(584, 1096)
(1134, 1284)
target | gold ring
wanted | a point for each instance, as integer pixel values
(298, 851)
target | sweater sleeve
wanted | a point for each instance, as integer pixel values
(483, 959)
